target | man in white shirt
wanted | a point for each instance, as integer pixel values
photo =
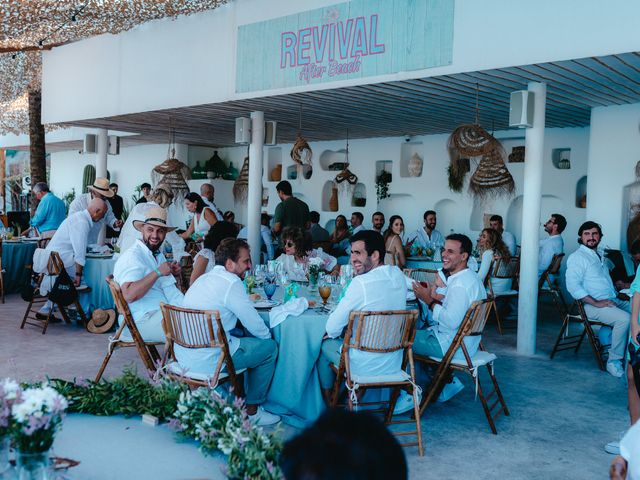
(377, 222)
(70, 241)
(588, 280)
(222, 289)
(356, 222)
(265, 235)
(207, 193)
(553, 244)
(509, 240)
(146, 278)
(427, 235)
(99, 189)
(375, 287)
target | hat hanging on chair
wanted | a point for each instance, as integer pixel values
(101, 321)
(101, 186)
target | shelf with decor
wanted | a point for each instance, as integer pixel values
(330, 197)
(581, 193)
(411, 159)
(561, 158)
(359, 197)
(274, 164)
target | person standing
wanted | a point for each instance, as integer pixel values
(291, 211)
(50, 213)
(100, 189)
(145, 189)
(117, 206)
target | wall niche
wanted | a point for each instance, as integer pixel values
(274, 164)
(411, 160)
(581, 193)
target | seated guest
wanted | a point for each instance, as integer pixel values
(428, 235)
(377, 222)
(462, 289)
(588, 280)
(492, 247)
(205, 260)
(340, 237)
(145, 276)
(50, 213)
(393, 242)
(356, 222)
(343, 444)
(117, 205)
(297, 252)
(70, 241)
(100, 189)
(203, 217)
(221, 289)
(553, 244)
(509, 240)
(145, 190)
(207, 193)
(318, 233)
(266, 245)
(376, 286)
(230, 217)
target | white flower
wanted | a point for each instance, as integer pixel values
(10, 388)
(317, 261)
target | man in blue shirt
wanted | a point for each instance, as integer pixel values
(50, 213)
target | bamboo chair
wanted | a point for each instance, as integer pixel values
(381, 332)
(573, 342)
(545, 285)
(195, 329)
(54, 267)
(421, 274)
(186, 268)
(147, 350)
(502, 269)
(472, 325)
(1, 276)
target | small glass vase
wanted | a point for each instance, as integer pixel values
(313, 278)
(33, 466)
(5, 444)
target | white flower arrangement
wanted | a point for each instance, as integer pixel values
(316, 261)
(9, 392)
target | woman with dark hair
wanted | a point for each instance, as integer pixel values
(340, 236)
(492, 247)
(203, 217)
(205, 259)
(298, 251)
(393, 242)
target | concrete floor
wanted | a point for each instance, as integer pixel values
(562, 411)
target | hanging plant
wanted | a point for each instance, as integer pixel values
(382, 184)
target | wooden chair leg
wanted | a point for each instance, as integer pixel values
(393, 398)
(594, 345)
(105, 362)
(416, 415)
(497, 390)
(494, 305)
(26, 314)
(485, 406)
(564, 327)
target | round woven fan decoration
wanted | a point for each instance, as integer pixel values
(301, 152)
(491, 178)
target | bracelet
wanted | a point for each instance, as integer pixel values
(158, 272)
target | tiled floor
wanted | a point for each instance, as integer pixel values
(562, 411)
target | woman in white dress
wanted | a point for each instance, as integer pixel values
(492, 247)
(203, 217)
(298, 251)
(206, 259)
(393, 242)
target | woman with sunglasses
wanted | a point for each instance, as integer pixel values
(298, 251)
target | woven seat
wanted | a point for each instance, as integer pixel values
(381, 332)
(147, 350)
(472, 325)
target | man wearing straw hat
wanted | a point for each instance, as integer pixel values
(99, 189)
(145, 276)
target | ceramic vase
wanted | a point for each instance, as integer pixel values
(333, 200)
(415, 165)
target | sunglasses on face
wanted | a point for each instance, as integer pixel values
(289, 243)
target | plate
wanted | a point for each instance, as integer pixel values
(266, 303)
(99, 255)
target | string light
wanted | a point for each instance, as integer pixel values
(30, 26)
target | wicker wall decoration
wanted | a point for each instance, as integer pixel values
(241, 185)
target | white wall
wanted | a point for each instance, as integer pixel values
(191, 60)
(614, 150)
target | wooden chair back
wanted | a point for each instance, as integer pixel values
(472, 324)
(503, 268)
(381, 332)
(195, 329)
(186, 269)
(192, 248)
(421, 274)
(55, 265)
(123, 308)
(43, 242)
(552, 269)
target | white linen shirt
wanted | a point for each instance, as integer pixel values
(382, 288)
(549, 247)
(423, 238)
(222, 291)
(463, 288)
(80, 203)
(510, 241)
(70, 240)
(357, 229)
(587, 274)
(135, 264)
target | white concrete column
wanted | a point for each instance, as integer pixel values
(533, 162)
(101, 169)
(254, 197)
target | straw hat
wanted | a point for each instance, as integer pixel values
(101, 186)
(101, 321)
(155, 216)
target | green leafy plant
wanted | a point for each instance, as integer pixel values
(69, 197)
(382, 184)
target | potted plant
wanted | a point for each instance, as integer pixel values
(382, 184)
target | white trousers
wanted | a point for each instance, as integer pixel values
(618, 319)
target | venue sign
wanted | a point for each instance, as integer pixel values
(356, 39)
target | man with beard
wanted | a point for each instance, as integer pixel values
(375, 287)
(146, 278)
(553, 244)
(377, 220)
(428, 235)
(588, 280)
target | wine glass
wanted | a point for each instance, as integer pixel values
(260, 274)
(325, 292)
(270, 289)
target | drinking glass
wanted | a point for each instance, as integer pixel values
(325, 292)
(250, 282)
(260, 274)
(270, 289)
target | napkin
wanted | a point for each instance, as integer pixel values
(279, 314)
